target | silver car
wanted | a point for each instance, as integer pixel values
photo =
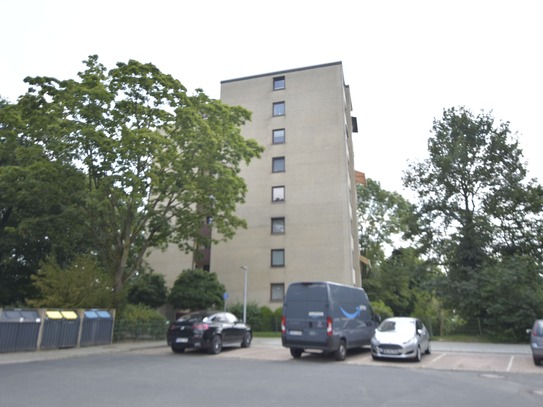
(400, 338)
(536, 341)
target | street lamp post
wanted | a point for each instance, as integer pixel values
(244, 268)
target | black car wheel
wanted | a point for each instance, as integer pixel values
(296, 353)
(418, 355)
(429, 349)
(537, 361)
(247, 338)
(341, 351)
(216, 345)
(177, 350)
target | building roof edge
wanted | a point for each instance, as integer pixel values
(282, 72)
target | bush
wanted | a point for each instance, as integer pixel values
(254, 314)
(139, 322)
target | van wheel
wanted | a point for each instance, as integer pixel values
(537, 361)
(341, 351)
(296, 353)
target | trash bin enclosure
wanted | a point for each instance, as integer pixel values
(60, 330)
(19, 330)
(97, 328)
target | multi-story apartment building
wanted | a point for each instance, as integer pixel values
(301, 202)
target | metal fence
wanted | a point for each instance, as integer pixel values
(140, 330)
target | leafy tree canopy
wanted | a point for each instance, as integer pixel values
(83, 284)
(384, 218)
(157, 161)
(474, 195)
(41, 214)
(148, 289)
(195, 290)
(479, 214)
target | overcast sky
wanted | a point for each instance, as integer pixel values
(404, 60)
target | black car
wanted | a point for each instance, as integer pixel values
(208, 330)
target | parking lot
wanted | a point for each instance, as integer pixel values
(490, 358)
(486, 358)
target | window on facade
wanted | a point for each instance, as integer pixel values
(277, 292)
(278, 194)
(278, 136)
(278, 226)
(278, 164)
(278, 257)
(279, 83)
(279, 109)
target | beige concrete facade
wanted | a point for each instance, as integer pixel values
(316, 219)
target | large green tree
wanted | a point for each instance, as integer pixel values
(40, 209)
(157, 161)
(476, 204)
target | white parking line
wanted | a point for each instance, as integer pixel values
(436, 359)
(510, 365)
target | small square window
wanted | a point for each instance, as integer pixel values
(278, 136)
(278, 258)
(279, 83)
(278, 164)
(278, 226)
(277, 292)
(278, 194)
(279, 109)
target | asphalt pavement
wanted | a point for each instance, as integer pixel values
(463, 354)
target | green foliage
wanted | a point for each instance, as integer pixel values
(381, 309)
(270, 320)
(400, 280)
(147, 289)
(481, 220)
(254, 314)
(383, 219)
(139, 322)
(82, 284)
(512, 292)
(40, 209)
(140, 313)
(195, 290)
(156, 161)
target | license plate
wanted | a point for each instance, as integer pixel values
(295, 333)
(390, 351)
(181, 340)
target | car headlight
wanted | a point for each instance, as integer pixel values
(411, 341)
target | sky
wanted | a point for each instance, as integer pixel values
(405, 61)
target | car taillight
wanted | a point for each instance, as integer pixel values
(283, 325)
(329, 328)
(200, 327)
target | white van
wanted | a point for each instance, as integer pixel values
(326, 316)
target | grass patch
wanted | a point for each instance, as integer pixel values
(267, 334)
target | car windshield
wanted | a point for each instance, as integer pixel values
(396, 326)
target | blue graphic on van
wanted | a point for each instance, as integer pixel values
(349, 315)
